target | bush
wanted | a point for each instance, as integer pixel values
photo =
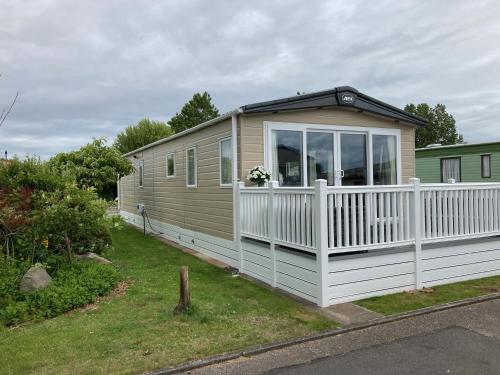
(74, 285)
(42, 214)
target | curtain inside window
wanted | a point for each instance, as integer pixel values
(450, 168)
(226, 161)
(486, 167)
(191, 167)
(384, 160)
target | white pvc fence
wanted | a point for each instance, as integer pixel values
(369, 217)
(346, 220)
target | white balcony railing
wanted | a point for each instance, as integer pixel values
(368, 217)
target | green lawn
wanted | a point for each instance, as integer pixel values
(402, 302)
(137, 331)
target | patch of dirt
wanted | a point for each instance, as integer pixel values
(421, 291)
(119, 290)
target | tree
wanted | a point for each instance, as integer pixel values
(440, 129)
(198, 110)
(95, 165)
(144, 132)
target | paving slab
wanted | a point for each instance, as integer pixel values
(348, 314)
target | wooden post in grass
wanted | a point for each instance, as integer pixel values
(185, 297)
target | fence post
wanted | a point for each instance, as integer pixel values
(271, 228)
(417, 229)
(321, 236)
(237, 221)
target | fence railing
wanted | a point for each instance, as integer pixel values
(368, 217)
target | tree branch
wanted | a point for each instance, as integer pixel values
(5, 113)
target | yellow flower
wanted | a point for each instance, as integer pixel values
(45, 243)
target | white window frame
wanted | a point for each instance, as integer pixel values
(269, 126)
(141, 173)
(170, 154)
(195, 167)
(230, 183)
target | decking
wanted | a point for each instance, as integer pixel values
(335, 244)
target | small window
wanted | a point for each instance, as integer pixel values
(141, 173)
(486, 166)
(191, 167)
(170, 165)
(226, 162)
(450, 168)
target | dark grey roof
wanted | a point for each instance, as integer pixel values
(344, 96)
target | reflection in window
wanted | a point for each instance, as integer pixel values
(353, 160)
(287, 157)
(384, 160)
(320, 157)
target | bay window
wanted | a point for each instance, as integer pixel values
(299, 154)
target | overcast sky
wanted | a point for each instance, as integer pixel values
(90, 68)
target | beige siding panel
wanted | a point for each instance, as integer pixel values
(208, 208)
(252, 131)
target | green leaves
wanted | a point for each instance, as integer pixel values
(144, 132)
(95, 165)
(441, 127)
(198, 110)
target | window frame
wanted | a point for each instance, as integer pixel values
(269, 126)
(195, 166)
(228, 184)
(482, 165)
(170, 154)
(459, 158)
(141, 173)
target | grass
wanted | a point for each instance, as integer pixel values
(402, 302)
(137, 331)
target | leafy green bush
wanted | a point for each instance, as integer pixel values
(73, 285)
(43, 214)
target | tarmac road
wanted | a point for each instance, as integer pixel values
(462, 340)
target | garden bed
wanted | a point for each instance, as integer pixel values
(73, 285)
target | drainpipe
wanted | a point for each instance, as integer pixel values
(236, 197)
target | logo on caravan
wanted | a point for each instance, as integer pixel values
(347, 98)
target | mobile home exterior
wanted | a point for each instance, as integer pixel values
(338, 222)
(467, 162)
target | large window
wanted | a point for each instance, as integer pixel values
(299, 154)
(226, 164)
(384, 160)
(141, 173)
(170, 165)
(191, 167)
(287, 157)
(486, 166)
(450, 169)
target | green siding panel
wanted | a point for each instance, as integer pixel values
(428, 165)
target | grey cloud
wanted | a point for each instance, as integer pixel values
(88, 69)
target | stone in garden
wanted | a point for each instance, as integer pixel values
(36, 278)
(93, 257)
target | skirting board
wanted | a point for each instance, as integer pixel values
(214, 247)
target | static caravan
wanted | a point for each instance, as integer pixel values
(343, 217)
(465, 162)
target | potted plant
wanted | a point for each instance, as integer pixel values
(259, 176)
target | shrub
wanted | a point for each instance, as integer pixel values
(73, 285)
(42, 214)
